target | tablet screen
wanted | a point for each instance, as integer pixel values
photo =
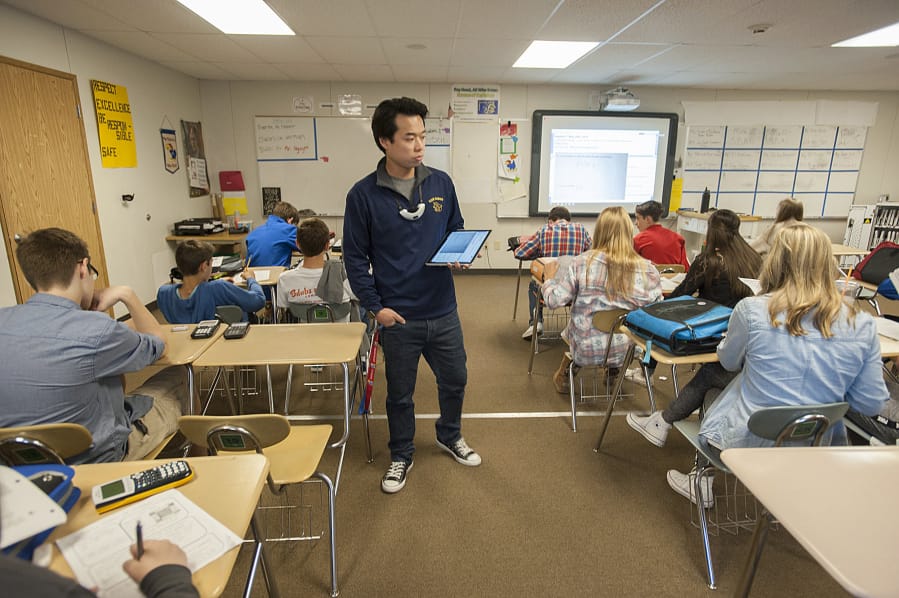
(459, 246)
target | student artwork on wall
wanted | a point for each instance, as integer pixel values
(169, 149)
(195, 158)
(270, 196)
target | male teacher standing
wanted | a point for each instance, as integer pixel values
(394, 220)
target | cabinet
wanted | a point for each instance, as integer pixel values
(870, 225)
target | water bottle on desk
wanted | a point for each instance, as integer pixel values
(706, 197)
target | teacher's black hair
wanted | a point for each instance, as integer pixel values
(383, 121)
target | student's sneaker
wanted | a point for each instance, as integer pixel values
(395, 478)
(652, 427)
(530, 331)
(635, 375)
(461, 452)
(682, 483)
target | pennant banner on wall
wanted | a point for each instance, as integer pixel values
(169, 149)
(114, 125)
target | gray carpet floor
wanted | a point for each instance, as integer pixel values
(544, 515)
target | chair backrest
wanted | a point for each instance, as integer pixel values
(318, 312)
(229, 314)
(670, 268)
(802, 423)
(609, 321)
(235, 433)
(44, 443)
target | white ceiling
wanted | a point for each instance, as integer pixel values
(691, 43)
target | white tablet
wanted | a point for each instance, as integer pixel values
(459, 246)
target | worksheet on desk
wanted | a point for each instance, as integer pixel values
(96, 552)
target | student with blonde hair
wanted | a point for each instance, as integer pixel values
(789, 211)
(796, 343)
(610, 275)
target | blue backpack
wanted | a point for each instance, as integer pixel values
(681, 326)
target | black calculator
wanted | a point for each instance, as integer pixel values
(205, 329)
(142, 484)
(237, 330)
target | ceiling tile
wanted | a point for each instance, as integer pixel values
(488, 52)
(73, 14)
(252, 71)
(214, 48)
(364, 72)
(694, 21)
(421, 73)
(348, 50)
(475, 74)
(588, 20)
(502, 20)
(299, 71)
(325, 17)
(277, 48)
(528, 75)
(584, 75)
(200, 70)
(142, 44)
(436, 52)
(165, 16)
(433, 18)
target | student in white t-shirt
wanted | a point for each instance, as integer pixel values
(316, 279)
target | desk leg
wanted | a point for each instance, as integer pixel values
(648, 378)
(259, 556)
(191, 390)
(755, 554)
(614, 396)
(332, 495)
(538, 316)
(287, 392)
(341, 444)
(271, 393)
(517, 290)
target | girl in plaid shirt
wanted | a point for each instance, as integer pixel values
(610, 275)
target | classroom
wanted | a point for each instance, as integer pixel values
(556, 518)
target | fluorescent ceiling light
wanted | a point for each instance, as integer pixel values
(883, 37)
(247, 17)
(552, 55)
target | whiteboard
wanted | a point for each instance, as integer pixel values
(750, 168)
(320, 177)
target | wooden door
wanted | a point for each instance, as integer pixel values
(45, 176)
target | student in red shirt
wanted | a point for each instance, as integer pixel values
(655, 242)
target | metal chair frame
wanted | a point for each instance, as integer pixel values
(802, 423)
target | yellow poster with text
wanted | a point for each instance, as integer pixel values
(117, 147)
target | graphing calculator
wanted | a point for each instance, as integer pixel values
(237, 330)
(205, 329)
(139, 485)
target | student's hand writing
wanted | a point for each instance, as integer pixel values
(156, 554)
(248, 274)
(387, 317)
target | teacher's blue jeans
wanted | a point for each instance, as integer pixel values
(440, 342)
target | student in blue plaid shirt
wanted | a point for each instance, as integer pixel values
(559, 236)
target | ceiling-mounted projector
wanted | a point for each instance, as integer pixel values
(620, 99)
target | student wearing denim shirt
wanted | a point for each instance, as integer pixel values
(797, 343)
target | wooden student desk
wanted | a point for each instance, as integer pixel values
(838, 502)
(274, 272)
(294, 344)
(226, 487)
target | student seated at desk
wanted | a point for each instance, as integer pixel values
(559, 236)
(62, 358)
(714, 275)
(315, 279)
(196, 297)
(272, 243)
(796, 343)
(789, 211)
(161, 572)
(655, 242)
(610, 275)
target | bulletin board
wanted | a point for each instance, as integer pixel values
(316, 160)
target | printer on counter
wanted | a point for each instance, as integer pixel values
(198, 226)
